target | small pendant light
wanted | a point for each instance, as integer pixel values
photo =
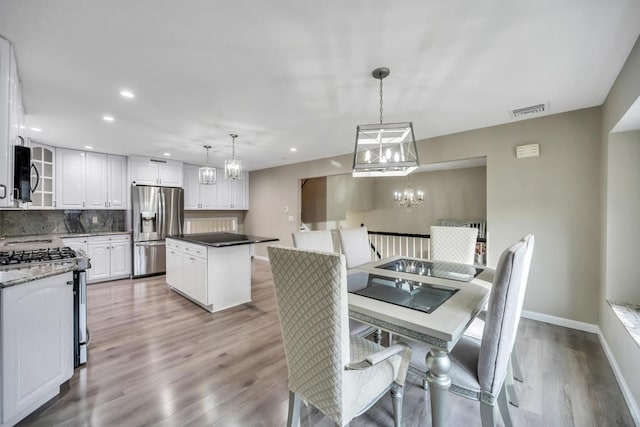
(233, 166)
(207, 174)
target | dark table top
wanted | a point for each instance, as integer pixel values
(222, 239)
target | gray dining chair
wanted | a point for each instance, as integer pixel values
(322, 240)
(479, 367)
(340, 374)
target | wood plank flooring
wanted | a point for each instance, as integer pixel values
(156, 359)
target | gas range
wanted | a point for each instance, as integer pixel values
(25, 258)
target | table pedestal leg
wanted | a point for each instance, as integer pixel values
(438, 364)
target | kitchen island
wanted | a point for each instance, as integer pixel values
(212, 269)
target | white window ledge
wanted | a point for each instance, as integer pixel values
(629, 315)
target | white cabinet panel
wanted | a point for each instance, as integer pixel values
(110, 257)
(174, 267)
(118, 191)
(120, 258)
(100, 261)
(196, 195)
(233, 194)
(43, 160)
(96, 175)
(195, 277)
(37, 343)
(147, 171)
(70, 175)
(77, 244)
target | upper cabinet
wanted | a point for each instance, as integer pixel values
(88, 180)
(42, 175)
(11, 119)
(233, 194)
(196, 195)
(147, 171)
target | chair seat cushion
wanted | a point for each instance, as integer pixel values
(464, 365)
(362, 388)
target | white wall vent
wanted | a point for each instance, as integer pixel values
(528, 150)
(525, 112)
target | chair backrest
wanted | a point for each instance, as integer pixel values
(503, 316)
(355, 246)
(453, 244)
(311, 294)
(320, 240)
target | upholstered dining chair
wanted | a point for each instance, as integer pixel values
(355, 246)
(453, 244)
(341, 375)
(479, 367)
(321, 240)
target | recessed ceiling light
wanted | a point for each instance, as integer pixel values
(88, 147)
(22, 126)
(167, 154)
(293, 149)
(108, 118)
(127, 94)
(36, 129)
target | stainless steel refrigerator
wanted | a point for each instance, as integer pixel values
(158, 212)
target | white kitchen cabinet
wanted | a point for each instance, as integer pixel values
(37, 343)
(198, 196)
(214, 277)
(110, 257)
(148, 171)
(88, 180)
(70, 175)
(43, 160)
(233, 194)
(187, 269)
(117, 182)
(11, 120)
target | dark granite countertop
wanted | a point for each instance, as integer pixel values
(28, 273)
(222, 239)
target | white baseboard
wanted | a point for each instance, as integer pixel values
(561, 321)
(628, 397)
(594, 329)
(261, 258)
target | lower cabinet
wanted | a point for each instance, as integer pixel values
(215, 278)
(36, 324)
(110, 257)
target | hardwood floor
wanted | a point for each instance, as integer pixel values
(157, 359)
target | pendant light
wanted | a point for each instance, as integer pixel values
(233, 166)
(207, 174)
(385, 149)
(409, 197)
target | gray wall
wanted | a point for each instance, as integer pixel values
(554, 196)
(622, 95)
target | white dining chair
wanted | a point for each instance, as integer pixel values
(355, 246)
(479, 367)
(322, 240)
(341, 375)
(453, 244)
(318, 240)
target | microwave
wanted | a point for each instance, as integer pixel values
(22, 173)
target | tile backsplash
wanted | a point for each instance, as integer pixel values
(15, 223)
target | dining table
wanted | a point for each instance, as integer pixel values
(423, 300)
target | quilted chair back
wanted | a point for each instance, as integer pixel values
(453, 244)
(355, 246)
(503, 316)
(320, 240)
(311, 294)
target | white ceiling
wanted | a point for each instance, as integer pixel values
(285, 74)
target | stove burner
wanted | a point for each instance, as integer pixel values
(35, 256)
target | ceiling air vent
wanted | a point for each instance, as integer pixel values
(525, 112)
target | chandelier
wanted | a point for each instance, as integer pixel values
(409, 197)
(207, 174)
(233, 166)
(385, 149)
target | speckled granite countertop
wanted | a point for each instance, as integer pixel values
(629, 315)
(39, 241)
(24, 273)
(17, 276)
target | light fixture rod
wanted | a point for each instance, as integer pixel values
(233, 145)
(380, 73)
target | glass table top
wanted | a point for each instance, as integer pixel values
(442, 270)
(425, 297)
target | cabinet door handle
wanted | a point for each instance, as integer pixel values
(192, 258)
(4, 191)
(105, 204)
(83, 204)
(70, 283)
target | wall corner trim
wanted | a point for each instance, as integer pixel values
(594, 329)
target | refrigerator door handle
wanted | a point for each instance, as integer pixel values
(161, 207)
(153, 243)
